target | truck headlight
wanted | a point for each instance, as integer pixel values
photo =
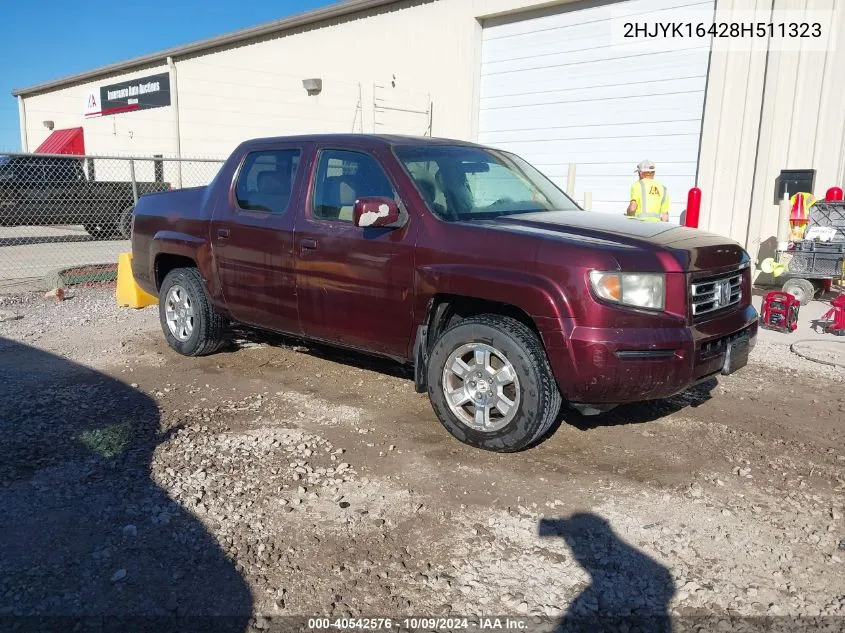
(639, 290)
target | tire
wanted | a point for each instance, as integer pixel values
(206, 333)
(801, 289)
(101, 230)
(512, 344)
(124, 224)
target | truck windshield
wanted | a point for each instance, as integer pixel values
(462, 183)
(11, 168)
(6, 166)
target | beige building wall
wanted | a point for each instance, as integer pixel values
(381, 70)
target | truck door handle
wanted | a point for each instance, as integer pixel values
(308, 244)
(223, 233)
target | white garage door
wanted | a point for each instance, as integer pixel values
(556, 90)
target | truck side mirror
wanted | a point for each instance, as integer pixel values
(377, 212)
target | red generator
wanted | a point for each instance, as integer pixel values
(780, 312)
(836, 316)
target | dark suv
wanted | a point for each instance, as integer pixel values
(45, 190)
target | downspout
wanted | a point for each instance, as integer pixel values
(748, 228)
(22, 120)
(174, 102)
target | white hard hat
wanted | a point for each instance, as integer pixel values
(645, 165)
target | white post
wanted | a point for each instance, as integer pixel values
(174, 103)
(22, 121)
(134, 180)
(570, 181)
(588, 200)
(784, 209)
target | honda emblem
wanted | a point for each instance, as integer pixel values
(722, 294)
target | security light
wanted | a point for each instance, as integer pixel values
(313, 86)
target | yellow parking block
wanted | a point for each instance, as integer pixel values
(129, 294)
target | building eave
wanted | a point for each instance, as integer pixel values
(276, 27)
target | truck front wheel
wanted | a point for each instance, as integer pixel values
(190, 324)
(490, 384)
(101, 230)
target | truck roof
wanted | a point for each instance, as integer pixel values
(373, 140)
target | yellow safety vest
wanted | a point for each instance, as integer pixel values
(656, 198)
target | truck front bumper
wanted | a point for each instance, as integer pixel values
(616, 366)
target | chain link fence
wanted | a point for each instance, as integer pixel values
(60, 213)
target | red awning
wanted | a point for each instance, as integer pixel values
(69, 141)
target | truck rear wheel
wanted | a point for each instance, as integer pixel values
(124, 223)
(490, 384)
(190, 324)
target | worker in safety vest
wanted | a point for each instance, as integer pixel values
(649, 198)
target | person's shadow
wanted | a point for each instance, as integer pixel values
(88, 540)
(628, 591)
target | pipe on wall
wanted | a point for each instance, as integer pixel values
(784, 209)
(22, 120)
(174, 103)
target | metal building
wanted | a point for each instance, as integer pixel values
(544, 79)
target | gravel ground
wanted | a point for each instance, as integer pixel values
(276, 479)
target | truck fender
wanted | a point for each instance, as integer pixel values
(183, 245)
(542, 299)
(534, 294)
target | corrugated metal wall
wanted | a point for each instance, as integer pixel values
(765, 113)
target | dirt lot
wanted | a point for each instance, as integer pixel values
(274, 479)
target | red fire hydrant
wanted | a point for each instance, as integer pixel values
(836, 316)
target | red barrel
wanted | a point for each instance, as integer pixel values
(693, 208)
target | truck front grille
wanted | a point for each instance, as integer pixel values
(716, 294)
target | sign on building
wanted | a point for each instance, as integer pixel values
(142, 93)
(92, 103)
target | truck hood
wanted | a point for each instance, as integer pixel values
(692, 249)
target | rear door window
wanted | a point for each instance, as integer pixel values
(265, 181)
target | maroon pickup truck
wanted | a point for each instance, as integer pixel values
(463, 261)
